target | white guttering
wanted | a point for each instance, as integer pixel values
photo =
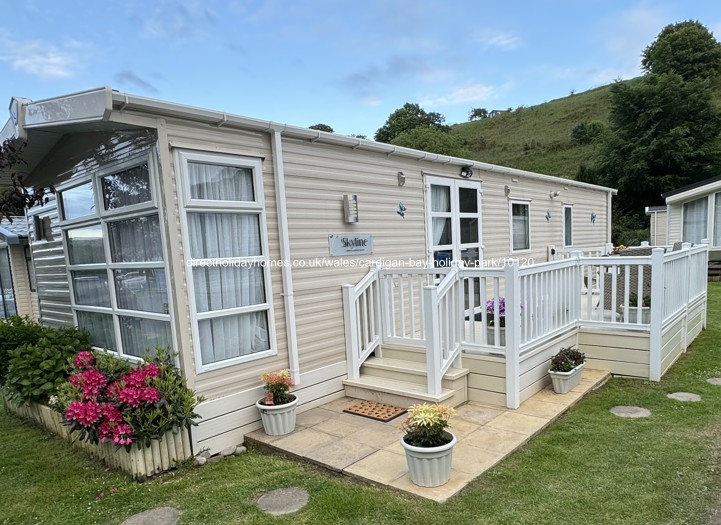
(286, 270)
(212, 117)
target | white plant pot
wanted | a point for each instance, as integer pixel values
(429, 466)
(491, 334)
(564, 382)
(278, 420)
(633, 314)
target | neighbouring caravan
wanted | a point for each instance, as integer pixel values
(694, 214)
(17, 274)
(230, 238)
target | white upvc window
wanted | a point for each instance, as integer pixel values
(567, 225)
(115, 257)
(520, 217)
(695, 220)
(226, 255)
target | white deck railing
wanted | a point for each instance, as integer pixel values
(447, 311)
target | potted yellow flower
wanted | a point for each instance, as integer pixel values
(278, 405)
(428, 445)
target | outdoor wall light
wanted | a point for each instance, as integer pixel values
(466, 172)
(350, 208)
(507, 190)
(401, 179)
(553, 194)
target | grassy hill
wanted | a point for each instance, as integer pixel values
(538, 138)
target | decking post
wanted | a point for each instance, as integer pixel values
(705, 265)
(657, 304)
(513, 334)
(433, 339)
(352, 348)
(578, 256)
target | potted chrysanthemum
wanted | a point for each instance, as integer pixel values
(496, 325)
(428, 445)
(277, 406)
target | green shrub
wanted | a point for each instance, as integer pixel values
(15, 332)
(36, 370)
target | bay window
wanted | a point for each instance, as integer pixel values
(226, 253)
(116, 266)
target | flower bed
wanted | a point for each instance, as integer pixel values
(139, 461)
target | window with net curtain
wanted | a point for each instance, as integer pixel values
(228, 273)
(567, 225)
(521, 227)
(122, 302)
(695, 217)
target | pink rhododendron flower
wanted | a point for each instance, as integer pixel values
(135, 379)
(84, 413)
(151, 395)
(83, 360)
(131, 396)
(151, 370)
(113, 390)
(122, 433)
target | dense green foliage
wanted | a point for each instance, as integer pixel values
(321, 127)
(36, 370)
(407, 118)
(432, 139)
(688, 49)
(16, 331)
(664, 135)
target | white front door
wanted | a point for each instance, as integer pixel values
(453, 217)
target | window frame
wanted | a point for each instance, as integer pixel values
(527, 203)
(684, 215)
(567, 208)
(103, 218)
(256, 207)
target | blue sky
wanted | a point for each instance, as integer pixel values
(346, 64)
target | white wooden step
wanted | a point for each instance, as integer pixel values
(399, 393)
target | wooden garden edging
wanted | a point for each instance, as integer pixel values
(140, 462)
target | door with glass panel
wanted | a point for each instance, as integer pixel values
(454, 222)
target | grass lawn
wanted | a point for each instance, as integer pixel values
(589, 467)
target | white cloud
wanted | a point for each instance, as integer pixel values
(42, 59)
(464, 95)
(504, 41)
(370, 100)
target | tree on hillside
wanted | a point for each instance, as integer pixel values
(688, 49)
(409, 117)
(433, 140)
(477, 114)
(322, 127)
(665, 135)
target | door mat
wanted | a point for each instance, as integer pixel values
(375, 410)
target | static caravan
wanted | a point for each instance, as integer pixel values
(694, 214)
(659, 221)
(17, 274)
(231, 239)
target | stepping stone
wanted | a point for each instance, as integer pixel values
(157, 516)
(283, 501)
(684, 396)
(630, 411)
(714, 380)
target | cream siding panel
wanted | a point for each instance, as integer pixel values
(618, 352)
(26, 302)
(658, 228)
(672, 343)
(486, 378)
(232, 379)
(535, 363)
(53, 290)
(675, 224)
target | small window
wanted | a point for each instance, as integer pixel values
(568, 225)
(30, 268)
(78, 201)
(520, 226)
(126, 188)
